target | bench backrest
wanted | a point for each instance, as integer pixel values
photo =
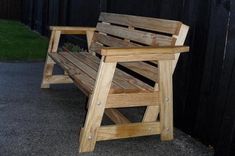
(117, 30)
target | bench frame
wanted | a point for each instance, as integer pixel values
(160, 101)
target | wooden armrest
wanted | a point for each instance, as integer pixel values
(143, 50)
(72, 30)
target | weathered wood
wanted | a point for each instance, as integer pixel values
(128, 130)
(153, 24)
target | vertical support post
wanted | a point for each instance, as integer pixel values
(89, 36)
(96, 104)
(166, 99)
(49, 64)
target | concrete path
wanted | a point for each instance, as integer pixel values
(41, 122)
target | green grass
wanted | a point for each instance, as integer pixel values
(17, 42)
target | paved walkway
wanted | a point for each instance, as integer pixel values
(41, 122)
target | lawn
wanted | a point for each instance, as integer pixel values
(17, 42)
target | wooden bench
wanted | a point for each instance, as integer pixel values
(130, 63)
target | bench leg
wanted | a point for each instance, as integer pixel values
(48, 70)
(166, 100)
(96, 108)
(49, 64)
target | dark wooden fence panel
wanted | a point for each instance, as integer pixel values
(10, 9)
(204, 78)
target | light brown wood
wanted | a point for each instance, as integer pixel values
(144, 50)
(132, 100)
(97, 105)
(116, 116)
(142, 57)
(180, 39)
(142, 68)
(140, 46)
(136, 35)
(166, 99)
(49, 64)
(153, 24)
(72, 30)
(58, 79)
(89, 35)
(152, 112)
(128, 130)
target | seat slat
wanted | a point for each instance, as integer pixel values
(89, 66)
(80, 78)
(153, 24)
(142, 68)
(121, 78)
(136, 35)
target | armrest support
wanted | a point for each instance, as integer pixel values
(72, 30)
(143, 50)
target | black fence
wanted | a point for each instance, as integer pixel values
(204, 88)
(10, 9)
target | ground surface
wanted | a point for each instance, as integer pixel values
(17, 42)
(46, 122)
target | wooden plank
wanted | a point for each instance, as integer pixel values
(56, 41)
(116, 116)
(92, 69)
(127, 130)
(58, 79)
(113, 41)
(142, 68)
(122, 79)
(69, 28)
(151, 114)
(180, 39)
(149, 57)
(81, 79)
(166, 99)
(97, 106)
(89, 35)
(136, 35)
(143, 50)
(132, 100)
(153, 24)
(49, 64)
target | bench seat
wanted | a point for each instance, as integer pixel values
(82, 67)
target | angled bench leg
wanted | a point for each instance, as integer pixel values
(166, 99)
(49, 64)
(96, 104)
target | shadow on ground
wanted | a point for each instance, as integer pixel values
(36, 121)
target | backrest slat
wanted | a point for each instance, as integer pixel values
(146, 38)
(154, 24)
